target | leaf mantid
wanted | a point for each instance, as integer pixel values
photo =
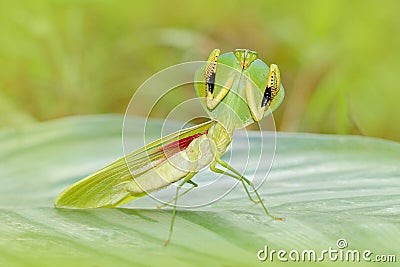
(241, 93)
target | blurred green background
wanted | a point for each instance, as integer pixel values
(339, 59)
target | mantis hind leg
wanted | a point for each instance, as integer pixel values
(197, 152)
(244, 180)
(181, 195)
(171, 228)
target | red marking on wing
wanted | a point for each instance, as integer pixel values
(179, 145)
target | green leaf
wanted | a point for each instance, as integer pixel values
(327, 187)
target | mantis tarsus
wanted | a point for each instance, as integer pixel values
(237, 90)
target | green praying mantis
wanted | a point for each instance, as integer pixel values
(237, 89)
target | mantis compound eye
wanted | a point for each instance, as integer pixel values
(245, 57)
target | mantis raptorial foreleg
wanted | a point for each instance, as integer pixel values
(210, 75)
(273, 85)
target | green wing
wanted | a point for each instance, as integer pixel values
(105, 188)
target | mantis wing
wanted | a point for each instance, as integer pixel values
(107, 187)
